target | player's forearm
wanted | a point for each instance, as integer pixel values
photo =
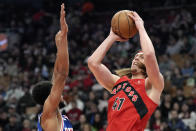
(146, 43)
(62, 64)
(101, 51)
(149, 54)
(62, 61)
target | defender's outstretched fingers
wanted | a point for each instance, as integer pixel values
(62, 18)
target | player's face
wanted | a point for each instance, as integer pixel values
(138, 59)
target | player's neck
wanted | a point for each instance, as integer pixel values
(138, 76)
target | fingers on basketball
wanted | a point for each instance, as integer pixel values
(136, 15)
(123, 25)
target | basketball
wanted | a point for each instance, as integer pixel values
(123, 25)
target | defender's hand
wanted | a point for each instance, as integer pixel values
(63, 23)
(61, 36)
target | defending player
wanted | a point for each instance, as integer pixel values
(135, 91)
(50, 94)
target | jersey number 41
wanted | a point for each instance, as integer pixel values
(118, 103)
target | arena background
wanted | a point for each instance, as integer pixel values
(27, 55)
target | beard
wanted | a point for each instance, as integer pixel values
(133, 71)
(140, 66)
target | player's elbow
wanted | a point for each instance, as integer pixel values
(150, 57)
(150, 54)
(91, 63)
(159, 82)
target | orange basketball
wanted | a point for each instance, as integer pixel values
(123, 25)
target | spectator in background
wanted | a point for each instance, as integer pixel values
(174, 46)
(190, 103)
(156, 121)
(86, 127)
(79, 102)
(26, 125)
(166, 105)
(74, 114)
(34, 129)
(97, 87)
(185, 113)
(91, 114)
(92, 100)
(15, 91)
(2, 102)
(103, 104)
(25, 101)
(81, 123)
(176, 77)
(12, 67)
(166, 64)
(4, 119)
(13, 125)
(92, 97)
(175, 123)
(187, 70)
(176, 107)
(179, 98)
(97, 122)
(12, 111)
(188, 116)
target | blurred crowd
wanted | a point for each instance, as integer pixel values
(31, 53)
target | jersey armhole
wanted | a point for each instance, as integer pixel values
(120, 80)
(146, 83)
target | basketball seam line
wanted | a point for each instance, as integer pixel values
(128, 23)
(118, 26)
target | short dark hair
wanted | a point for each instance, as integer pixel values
(41, 91)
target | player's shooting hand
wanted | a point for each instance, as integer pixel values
(116, 37)
(137, 19)
(61, 36)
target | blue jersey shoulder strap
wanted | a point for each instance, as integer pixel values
(39, 128)
(65, 124)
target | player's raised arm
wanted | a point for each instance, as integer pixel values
(61, 68)
(150, 60)
(100, 71)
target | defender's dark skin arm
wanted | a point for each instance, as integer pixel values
(49, 119)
